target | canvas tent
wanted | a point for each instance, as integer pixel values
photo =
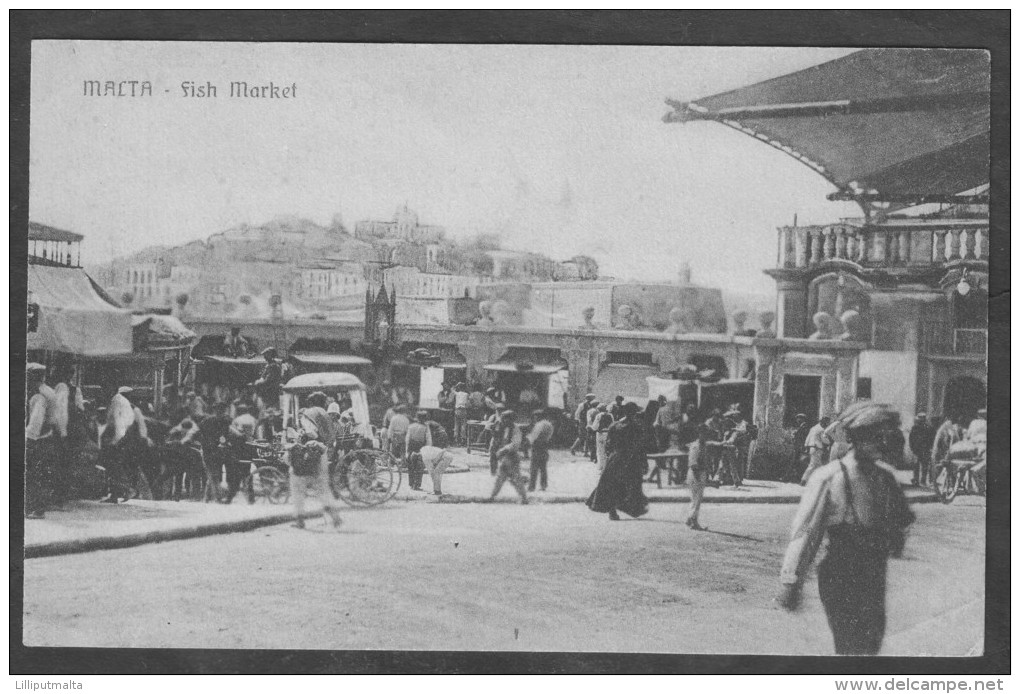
(884, 124)
(71, 316)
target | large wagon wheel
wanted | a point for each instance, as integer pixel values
(366, 477)
(945, 483)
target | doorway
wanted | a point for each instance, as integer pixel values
(802, 395)
(964, 396)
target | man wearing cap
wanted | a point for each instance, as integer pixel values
(494, 425)
(239, 437)
(417, 437)
(581, 417)
(816, 444)
(857, 502)
(396, 431)
(540, 436)
(601, 423)
(977, 437)
(921, 438)
(800, 433)
(40, 440)
(949, 434)
(317, 437)
(234, 345)
(735, 442)
(591, 440)
(267, 386)
(508, 457)
(697, 476)
(122, 442)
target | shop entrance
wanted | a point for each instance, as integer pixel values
(801, 395)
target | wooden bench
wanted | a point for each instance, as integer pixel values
(670, 461)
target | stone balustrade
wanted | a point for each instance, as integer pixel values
(887, 246)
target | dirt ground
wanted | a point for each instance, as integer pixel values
(543, 577)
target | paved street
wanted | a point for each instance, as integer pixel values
(546, 577)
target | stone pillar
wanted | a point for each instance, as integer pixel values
(846, 382)
(582, 366)
(477, 354)
(827, 396)
(792, 318)
(771, 449)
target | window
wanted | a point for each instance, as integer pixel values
(864, 388)
(630, 358)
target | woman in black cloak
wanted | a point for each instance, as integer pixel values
(619, 487)
(647, 418)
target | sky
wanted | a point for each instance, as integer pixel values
(559, 149)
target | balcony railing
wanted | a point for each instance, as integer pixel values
(942, 339)
(802, 247)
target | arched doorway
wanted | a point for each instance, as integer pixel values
(964, 396)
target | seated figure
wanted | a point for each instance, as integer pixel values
(627, 318)
(823, 327)
(485, 312)
(852, 326)
(679, 322)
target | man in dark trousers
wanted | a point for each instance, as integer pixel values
(858, 505)
(267, 387)
(540, 435)
(581, 417)
(922, 436)
(797, 466)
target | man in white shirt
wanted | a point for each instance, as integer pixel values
(40, 438)
(460, 414)
(816, 444)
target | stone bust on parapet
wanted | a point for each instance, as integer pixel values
(767, 318)
(825, 327)
(588, 316)
(485, 313)
(679, 322)
(626, 318)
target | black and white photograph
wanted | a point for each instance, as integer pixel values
(506, 348)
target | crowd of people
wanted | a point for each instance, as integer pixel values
(929, 444)
(846, 463)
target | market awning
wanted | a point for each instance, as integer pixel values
(157, 331)
(515, 368)
(71, 317)
(323, 359)
(883, 124)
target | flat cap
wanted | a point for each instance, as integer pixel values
(870, 414)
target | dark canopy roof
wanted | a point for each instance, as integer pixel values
(895, 123)
(41, 232)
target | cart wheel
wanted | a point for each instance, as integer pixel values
(338, 483)
(370, 476)
(945, 484)
(271, 483)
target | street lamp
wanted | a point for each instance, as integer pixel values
(963, 287)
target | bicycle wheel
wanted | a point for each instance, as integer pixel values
(372, 476)
(270, 483)
(945, 484)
